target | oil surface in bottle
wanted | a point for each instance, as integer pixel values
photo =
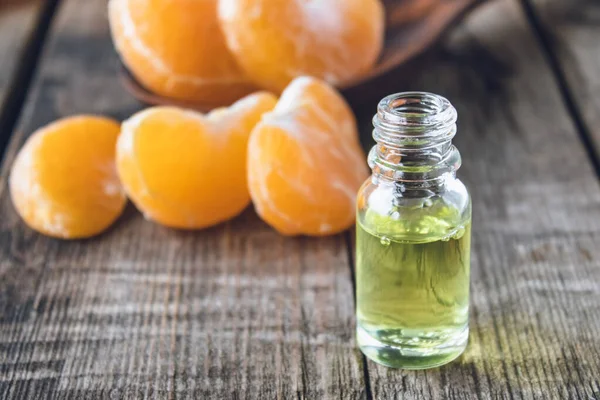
(413, 290)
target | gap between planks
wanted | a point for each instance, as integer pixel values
(348, 239)
(543, 37)
(24, 73)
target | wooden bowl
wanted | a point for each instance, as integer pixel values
(412, 27)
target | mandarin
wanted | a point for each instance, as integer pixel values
(276, 41)
(176, 49)
(187, 170)
(64, 183)
(305, 162)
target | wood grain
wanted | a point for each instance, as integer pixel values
(145, 312)
(572, 31)
(536, 262)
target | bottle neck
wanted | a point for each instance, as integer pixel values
(414, 132)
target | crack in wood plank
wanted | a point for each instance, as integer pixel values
(566, 63)
(23, 29)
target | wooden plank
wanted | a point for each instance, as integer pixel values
(17, 23)
(572, 31)
(536, 261)
(236, 311)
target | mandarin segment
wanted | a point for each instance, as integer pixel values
(276, 41)
(187, 170)
(305, 162)
(176, 49)
(64, 183)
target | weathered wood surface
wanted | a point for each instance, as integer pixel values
(17, 23)
(239, 312)
(536, 260)
(142, 311)
(572, 31)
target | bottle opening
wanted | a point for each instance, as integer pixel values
(415, 114)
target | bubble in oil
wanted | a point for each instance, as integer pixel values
(459, 233)
(385, 241)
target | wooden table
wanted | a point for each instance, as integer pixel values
(238, 311)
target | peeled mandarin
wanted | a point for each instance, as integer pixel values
(176, 49)
(64, 181)
(305, 162)
(278, 40)
(187, 170)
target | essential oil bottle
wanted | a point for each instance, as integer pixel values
(413, 237)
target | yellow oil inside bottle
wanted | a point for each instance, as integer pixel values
(413, 289)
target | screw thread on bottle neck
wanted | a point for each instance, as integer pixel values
(414, 132)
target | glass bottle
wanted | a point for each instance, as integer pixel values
(413, 237)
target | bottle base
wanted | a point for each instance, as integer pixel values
(410, 353)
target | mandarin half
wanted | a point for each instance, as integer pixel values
(64, 182)
(278, 40)
(187, 170)
(176, 49)
(305, 162)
